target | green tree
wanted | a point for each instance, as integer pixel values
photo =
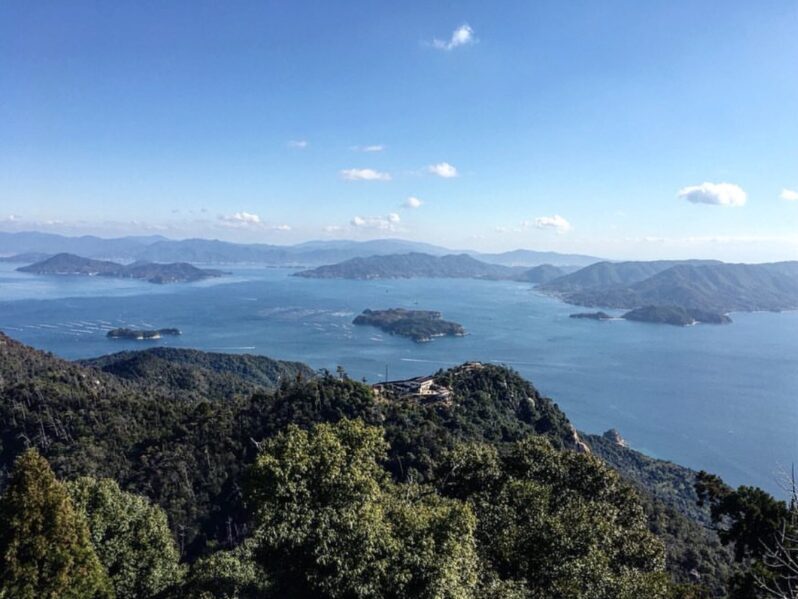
(556, 524)
(331, 524)
(762, 530)
(229, 574)
(131, 537)
(45, 550)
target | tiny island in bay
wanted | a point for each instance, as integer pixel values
(592, 315)
(142, 334)
(419, 325)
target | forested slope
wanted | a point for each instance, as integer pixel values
(183, 428)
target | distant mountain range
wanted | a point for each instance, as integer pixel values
(69, 264)
(532, 258)
(208, 251)
(694, 284)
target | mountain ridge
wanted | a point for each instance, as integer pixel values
(157, 248)
(710, 286)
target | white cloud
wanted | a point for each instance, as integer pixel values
(716, 194)
(789, 194)
(412, 202)
(379, 223)
(281, 227)
(364, 174)
(299, 144)
(241, 219)
(333, 229)
(462, 36)
(443, 169)
(372, 148)
(556, 223)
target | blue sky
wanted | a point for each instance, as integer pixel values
(578, 126)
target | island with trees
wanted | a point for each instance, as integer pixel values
(675, 315)
(70, 264)
(142, 334)
(419, 325)
(592, 315)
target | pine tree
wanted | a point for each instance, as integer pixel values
(45, 551)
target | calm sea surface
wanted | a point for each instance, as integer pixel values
(721, 398)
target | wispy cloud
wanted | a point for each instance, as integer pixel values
(443, 169)
(372, 148)
(241, 219)
(789, 194)
(715, 194)
(553, 223)
(298, 144)
(379, 223)
(249, 220)
(462, 36)
(412, 202)
(364, 174)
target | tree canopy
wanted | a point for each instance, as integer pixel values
(45, 549)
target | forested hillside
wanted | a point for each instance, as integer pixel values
(693, 284)
(495, 474)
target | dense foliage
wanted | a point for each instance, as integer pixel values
(330, 523)
(762, 530)
(166, 425)
(695, 554)
(555, 524)
(131, 538)
(200, 375)
(45, 550)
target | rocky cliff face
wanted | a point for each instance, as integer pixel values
(615, 437)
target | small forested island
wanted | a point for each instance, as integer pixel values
(675, 315)
(592, 315)
(420, 325)
(70, 264)
(141, 334)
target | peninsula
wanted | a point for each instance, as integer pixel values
(419, 325)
